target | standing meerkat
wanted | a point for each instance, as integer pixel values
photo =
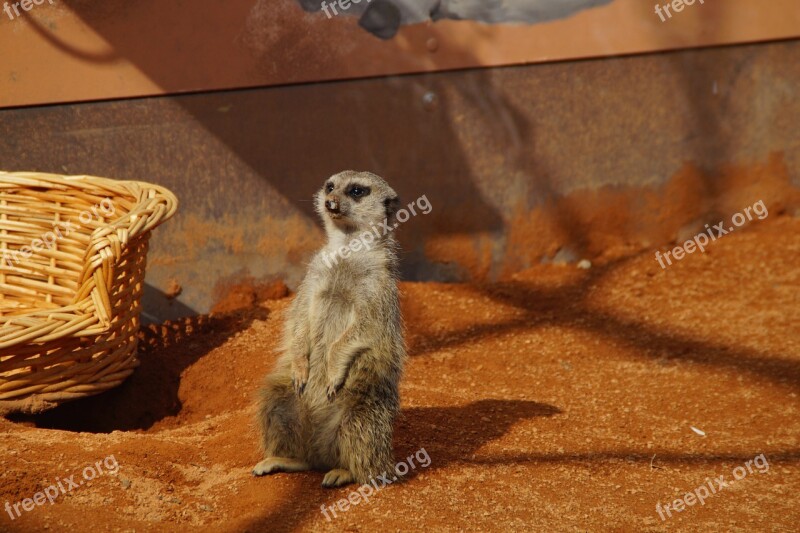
(331, 401)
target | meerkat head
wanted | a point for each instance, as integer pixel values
(353, 201)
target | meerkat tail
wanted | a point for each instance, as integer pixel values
(365, 437)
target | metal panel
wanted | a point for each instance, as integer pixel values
(521, 164)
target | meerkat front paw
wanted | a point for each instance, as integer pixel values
(337, 477)
(299, 374)
(332, 389)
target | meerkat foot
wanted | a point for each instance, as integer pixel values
(272, 465)
(337, 478)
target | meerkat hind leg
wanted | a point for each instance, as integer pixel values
(337, 478)
(272, 465)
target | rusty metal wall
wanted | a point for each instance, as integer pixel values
(521, 164)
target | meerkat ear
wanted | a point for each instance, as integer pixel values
(392, 205)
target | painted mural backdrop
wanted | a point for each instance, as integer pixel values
(73, 50)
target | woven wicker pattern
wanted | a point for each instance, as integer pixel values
(72, 262)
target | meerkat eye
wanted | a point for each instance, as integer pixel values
(329, 187)
(357, 191)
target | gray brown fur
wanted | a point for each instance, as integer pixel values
(331, 401)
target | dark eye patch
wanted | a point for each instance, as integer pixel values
(329, 186)
(391, 205)
(357, 191)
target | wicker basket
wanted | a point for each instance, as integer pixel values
(72, 265)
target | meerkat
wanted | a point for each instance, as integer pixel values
(331, 401)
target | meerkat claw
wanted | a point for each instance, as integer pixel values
(299, 374)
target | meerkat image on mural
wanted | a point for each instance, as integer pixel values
(331, 401)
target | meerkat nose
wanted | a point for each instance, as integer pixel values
(332, 205)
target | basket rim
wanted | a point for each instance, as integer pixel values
(90, 312)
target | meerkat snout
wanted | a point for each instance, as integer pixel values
(332, 204)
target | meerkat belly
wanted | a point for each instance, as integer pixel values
(329, 317)
(331, 314)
